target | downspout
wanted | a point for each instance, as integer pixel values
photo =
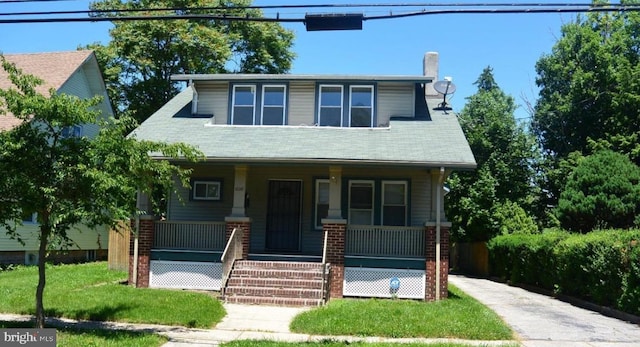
(438, 222)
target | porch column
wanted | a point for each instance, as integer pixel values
(335, 192)
(243, 223)
(336, 235)
(140, 251)
(430, 244)
(239, 191)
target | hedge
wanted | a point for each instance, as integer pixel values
(602, 267)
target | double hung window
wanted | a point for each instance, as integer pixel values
(330, 113)
(244, 101)
(273, 104)
(361, 202)
(346, 105)
(322, 201)
(361, 110)
(250, 107)
(394, 203)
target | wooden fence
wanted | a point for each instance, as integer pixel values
(119, 239)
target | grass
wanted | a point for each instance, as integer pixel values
(92, 292)
(335, 343)
(459, 317)
(97, 338)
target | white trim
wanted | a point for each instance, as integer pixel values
(382, 202)
(373, 202)
(233, 102)
(218, 196)
(284, 102)
(320, 106)
(351, 106)
(315, 201)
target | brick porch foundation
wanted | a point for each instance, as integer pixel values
(145, 240)
(336, 233)
(243, 223)
(430, 290)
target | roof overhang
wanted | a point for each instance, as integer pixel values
(310, 77)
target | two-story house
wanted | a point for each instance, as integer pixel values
(306, 177)
(73, 73)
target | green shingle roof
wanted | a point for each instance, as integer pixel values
(439, 142)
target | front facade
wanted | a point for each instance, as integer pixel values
(73, 73)
(340, 170)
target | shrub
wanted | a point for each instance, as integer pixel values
(513, 219)
(602, 191)
(602, 266)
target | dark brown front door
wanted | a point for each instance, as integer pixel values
(283, 216)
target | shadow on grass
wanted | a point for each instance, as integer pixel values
(102, 313)
(452, 295)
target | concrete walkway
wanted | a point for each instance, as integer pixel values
(542, 321)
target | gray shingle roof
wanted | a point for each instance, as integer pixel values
(439, 142)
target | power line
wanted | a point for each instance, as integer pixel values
(107, 15)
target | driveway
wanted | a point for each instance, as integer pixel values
(542, 321)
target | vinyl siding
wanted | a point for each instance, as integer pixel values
(301, 103)
(395, 99)
(213, 98)
(258, 178)
(83, 236)
(80, 85)
(196, 210)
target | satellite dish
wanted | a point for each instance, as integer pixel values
(444, 87)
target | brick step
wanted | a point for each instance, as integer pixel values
(274, 282)
(274, 292)
(278, 265)
(280, 274)
(263, 300)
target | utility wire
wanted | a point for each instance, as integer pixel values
(107, 15)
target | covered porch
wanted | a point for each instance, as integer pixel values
(302, 214)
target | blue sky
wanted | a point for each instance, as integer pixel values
(467, 43)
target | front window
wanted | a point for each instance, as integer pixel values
(273, 105)
(361, 202)
(206, 190)
(330, 113)
(322, 201)
(361, 111)
(394, 203)
(244, 99)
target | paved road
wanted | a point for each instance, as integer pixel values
(542, 321)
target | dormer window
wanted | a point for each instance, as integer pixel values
(358, 113)
(266, 107)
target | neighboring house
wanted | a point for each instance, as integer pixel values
(74, 73)
(341, 174)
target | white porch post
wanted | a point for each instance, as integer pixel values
(239, 191)
(335, 187)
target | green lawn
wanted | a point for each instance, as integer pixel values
(97, 338)
(91, 291)
(458, 317)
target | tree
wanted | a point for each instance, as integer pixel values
(602, 191)
(142, 55)
(66, 180)
(589, 91)
(503, 152)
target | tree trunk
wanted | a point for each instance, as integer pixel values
(42, 253)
